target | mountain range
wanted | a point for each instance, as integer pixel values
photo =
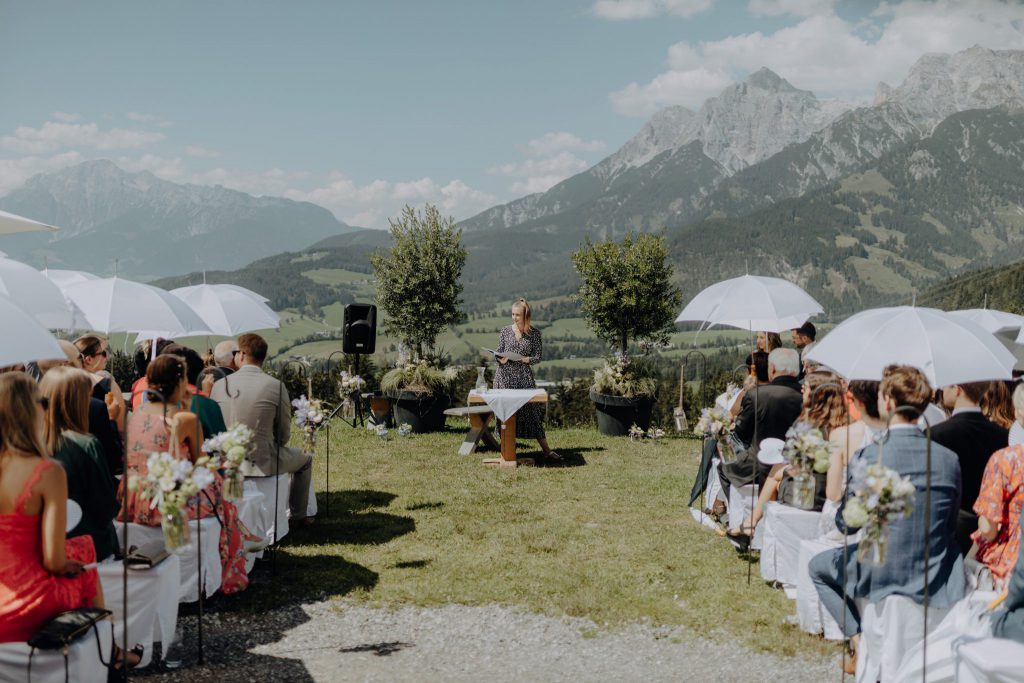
(155, 227)
(860, 202)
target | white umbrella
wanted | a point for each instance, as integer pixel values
(41, 299)
(10, 224)
(24, 339)
(66, 278)
(241, 290)
(948, 349)
(118, 305)
(991, 320)
(752, 302)
(227, 311)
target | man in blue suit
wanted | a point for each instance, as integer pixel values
(903, 448)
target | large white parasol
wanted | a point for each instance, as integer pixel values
(227, 311)
(947, 348)
(118, 305)
(11, 224)
(24, 339)
(752, 302)
(38, 296)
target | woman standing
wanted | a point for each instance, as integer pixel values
(524, 339)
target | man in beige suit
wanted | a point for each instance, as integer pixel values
(257, 400)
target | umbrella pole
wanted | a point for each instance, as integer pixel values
(753, 488)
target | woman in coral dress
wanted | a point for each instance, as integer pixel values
(160, 425)
(40, 573)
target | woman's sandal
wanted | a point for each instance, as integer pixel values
(552, 456)
(132, 658)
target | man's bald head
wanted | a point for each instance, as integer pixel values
(224, 354)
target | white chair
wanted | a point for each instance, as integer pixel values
(991, 660)
(152, 602)
(782, 529)
(48, 666)
(889, 629)
(265, 485)
(188, 590)
(813, 617)
(741, 504)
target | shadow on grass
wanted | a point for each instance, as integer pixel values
(571, 457)
(379, 649)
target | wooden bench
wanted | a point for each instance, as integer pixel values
(479, 427)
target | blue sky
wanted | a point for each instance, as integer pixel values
(364, 106)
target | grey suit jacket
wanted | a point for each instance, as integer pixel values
(904, 570)
(260, 402)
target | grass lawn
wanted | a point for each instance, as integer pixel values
(610, 539)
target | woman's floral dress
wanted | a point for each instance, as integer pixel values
(516, 375)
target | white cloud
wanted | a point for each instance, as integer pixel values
(65, 116)
(800, 8)
(828, 54)
(370, 205)
(622, 10)
(550, 143)
(53, 135)
(201, 152)
(14, 172)
(560, 165)
(139, 117)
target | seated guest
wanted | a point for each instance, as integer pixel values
(778, 404)
(42, 571)
(758, 377)
(143, 356)
(224, 357)
(261, 402)
(999, 506)
(67, 392)
(973, 438)
(159, 425)
(95, 354)
(904, 451)
(862, 404)
(997, 404)
(824, 408)
(1008, 620)
(210, 416)
(100, 426)
(803, 340)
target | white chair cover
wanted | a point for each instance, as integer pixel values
(152, 603)
(741, 503)
(784, 527)
(84, 664)
(992, 660)
(889, 629)
(311, 508)
(265, 485)
(968, 620)
(188, 590)
(812, 616)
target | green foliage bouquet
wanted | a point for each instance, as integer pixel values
(169, 484)
(807, 448)
(418, 376)
(227, 452)
(625, 376)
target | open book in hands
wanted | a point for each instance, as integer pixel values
(508, 355)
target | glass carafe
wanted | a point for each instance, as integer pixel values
(481, 381)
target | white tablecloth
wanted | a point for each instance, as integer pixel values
(84, 665)
(505, 402)
(152, 602)
(783, 527)
(212, 574)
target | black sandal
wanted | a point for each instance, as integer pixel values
(552, 456)
(119, 658)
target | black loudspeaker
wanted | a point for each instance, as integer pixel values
(359, 331)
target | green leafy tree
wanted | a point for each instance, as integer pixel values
(418, 279)
(627, 290)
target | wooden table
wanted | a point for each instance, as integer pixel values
(508, 435)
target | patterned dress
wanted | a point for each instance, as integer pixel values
(147, 434)
(516, 375)
(1000, 500)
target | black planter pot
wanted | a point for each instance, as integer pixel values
(422, 412)
(616, 414)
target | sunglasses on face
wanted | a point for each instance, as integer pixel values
(44, 402)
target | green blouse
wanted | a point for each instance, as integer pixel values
(91, 486)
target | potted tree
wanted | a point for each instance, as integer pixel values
(419, 291)
(626, 294)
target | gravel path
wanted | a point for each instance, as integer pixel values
(347, 641)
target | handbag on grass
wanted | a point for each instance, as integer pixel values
(65, 628)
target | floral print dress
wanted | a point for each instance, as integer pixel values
(1000, 500)
(516, 375)
(148, 433)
